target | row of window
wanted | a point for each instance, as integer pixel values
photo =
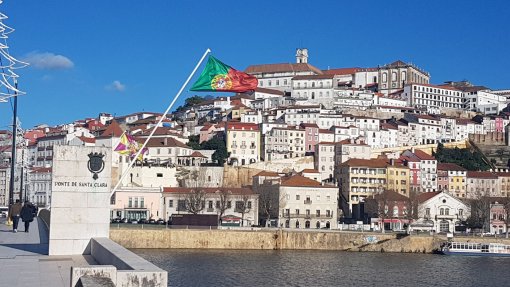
(239, 205)
(297, 212)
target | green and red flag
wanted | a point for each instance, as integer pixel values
(218, 77)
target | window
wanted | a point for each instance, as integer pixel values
(171, 203)
(441, 211)
(159, 175)
(229, 204)
(141, 202)
(130, 202)
(297, 211)
(136, 201)
(318, 212)
(249, 204)
(210, 206)
(297, 197)
(427, 211)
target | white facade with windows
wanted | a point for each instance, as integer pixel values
(443, 211)
(307, 204)
(281, 143)
(325, 160)
(434, 97)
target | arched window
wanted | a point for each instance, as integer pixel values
(307, 224)
(313, 95)
(393, 76)
(384, 77)
(287, 223)
(403, 77)
(446, 211)
(318, 225)
(297, 223)
(313, 84)
(395, 211)
(441, 211)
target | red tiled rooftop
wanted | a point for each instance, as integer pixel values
(301, 181)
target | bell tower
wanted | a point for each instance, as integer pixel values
(302, 55)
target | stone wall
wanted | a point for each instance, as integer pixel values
(275, 239)
(272, 240)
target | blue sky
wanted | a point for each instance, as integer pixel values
(126, 56)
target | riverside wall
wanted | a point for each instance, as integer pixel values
(274, 239)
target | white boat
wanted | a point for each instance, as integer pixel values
(476, 249)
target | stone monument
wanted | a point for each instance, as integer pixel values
(80, 198)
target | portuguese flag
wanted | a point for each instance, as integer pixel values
(218, 77)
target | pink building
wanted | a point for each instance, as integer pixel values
(497, 219)
(311, 136)
(138, 203)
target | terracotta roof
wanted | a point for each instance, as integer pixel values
(301, 181)
(388, 126)
(438, 87)
(392, 196)
(309, 170)
(184, 190)
(269, 91)
(87, 140)
(365, 163)
(342, 71)
(283, 67)
(197, 154)
(112, 130)
(267, 173)
(41, 169)
(313, 77)
(326, 143)
(242, 126)
(164, 142)
(481, 174)
(424, 196)
(307, 125)
(423, 155)
(206, 127)
(325, 131)
(450, 166)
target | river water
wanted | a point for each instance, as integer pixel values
(325, 268)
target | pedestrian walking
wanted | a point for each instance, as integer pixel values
(27, 215)
(14, 213)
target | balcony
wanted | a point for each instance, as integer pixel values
(243, 146)
(307, 201)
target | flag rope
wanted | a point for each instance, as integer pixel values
(124, 174)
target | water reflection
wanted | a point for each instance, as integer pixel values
(325, 268)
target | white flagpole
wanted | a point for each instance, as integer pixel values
(160, 120)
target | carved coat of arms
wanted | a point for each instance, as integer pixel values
(95, 163)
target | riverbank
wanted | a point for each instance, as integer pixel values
(282, 239)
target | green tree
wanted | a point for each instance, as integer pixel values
(193, 142)
(192, 101)
(218, 144)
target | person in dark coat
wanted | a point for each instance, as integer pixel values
(27, 215)
(14, 213)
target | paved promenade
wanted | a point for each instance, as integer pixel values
(24, 259)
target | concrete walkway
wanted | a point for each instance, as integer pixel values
(24, 259)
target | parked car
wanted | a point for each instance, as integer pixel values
(123, 220)
(133, 221)
(143, 221)
(117, 220)
(152, 221)
(160, 221)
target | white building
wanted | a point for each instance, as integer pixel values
(440, 211)
(324, 160)
(239, 204)
(434, 98)
(243, 143)
(308, 204)
(281, 143)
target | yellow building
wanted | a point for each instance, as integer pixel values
(457, 178)
(243, 143)
(398, 178)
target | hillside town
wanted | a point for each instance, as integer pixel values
(310, 148)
